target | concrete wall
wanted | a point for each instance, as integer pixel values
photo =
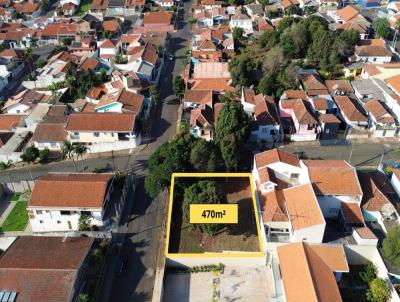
(20, 187)
(330, 204)
(172, 261)
(312, 234)
(50, 220)
(5, 242)
(396, 184)
(118, 145)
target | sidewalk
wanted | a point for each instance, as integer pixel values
(6, 207)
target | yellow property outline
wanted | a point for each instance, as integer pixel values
(205, 255)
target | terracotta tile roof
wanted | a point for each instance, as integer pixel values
(213, 70)
(201, 117)
(347, 13)
(394, 83)
(376, 188)
(276, 155)
(46, 132)
(373, 47)
(265, 111)
(305, 274)
(273, 206)
(130, 101)
(110, 25)
(9, 122)
(200, 97)
(302, 207)
(43, 268)
(320, 103)
(206, 44)
(56, 29)
(329, 119)
(161, 17)
(313, 82)
(147, 53)
(217, 109)
(219, 85)
(301, 109)
(333, 177)
(296, 94)
(10, 53)
(101, 122)
(316, 92)
(26, 7)
(341, 85)
(99, 4)
(75, 190)
(108, 44)
(89, 64)
(352, 213)
(349, 109)
(333, 256)
(371, 69)
(378, 110)
(365, 233)
(263, 25)
(27, 96)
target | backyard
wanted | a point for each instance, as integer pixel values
(352, 288)
(232, 237)
(17, 219)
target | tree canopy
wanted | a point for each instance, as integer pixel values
(378, 291)
(391, 246)
(203, 192)
(381, 27)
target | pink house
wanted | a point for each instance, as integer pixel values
(300, 120)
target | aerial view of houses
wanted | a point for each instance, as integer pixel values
(199, 150)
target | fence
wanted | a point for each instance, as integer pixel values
(18, 186)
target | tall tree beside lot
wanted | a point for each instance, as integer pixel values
(179, 86)
(30, 154)
(28, 52)
(232, 130)
(68, 150)
(84, 223)
(243, 69)
(391, 246)
(205, 191)
(378, 291)
(397, 28)
(169, 158)
(44, 155)
(368, 273)
(381, 27)
(79, 150)
(205, 156)
(155, 95)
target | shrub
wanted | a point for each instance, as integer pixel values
(378, 291)
(369, 273)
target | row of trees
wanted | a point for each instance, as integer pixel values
(270, 63)
(187, 153)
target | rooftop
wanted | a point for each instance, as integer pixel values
(75, 190)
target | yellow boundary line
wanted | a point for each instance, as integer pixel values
(206, 255)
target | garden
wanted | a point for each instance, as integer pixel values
(18, 218)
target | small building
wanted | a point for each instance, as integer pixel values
(334, 182)
(330, 125)
(373, 51)
(311, 271)
(201, 124)
(59, 200)
(41, 268)
(382, 122)
(24, 102)
(352, 113)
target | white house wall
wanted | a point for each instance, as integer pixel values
(313, 234)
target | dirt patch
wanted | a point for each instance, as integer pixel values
(233, 237)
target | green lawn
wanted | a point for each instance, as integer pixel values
(15, 197)
(84, 7)
(18, 218)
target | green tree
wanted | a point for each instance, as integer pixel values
(155, 96)
(44, 155)
(269, 39)
(205, 156)
(391, 246)
(243, 69)
(378, 291)
(237, 33)
(230, 152)
(368, 273)
(179, 86)
(83, 298)
(80, 150)
(84, 223)
(170, 157)
(192, 20)
(28, 52)
(30, 154)
(232, 119)
(381, 27)
(68, 150)
(200, 193)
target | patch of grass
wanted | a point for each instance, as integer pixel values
(15, 196)
(84, 7)
(18, 218)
